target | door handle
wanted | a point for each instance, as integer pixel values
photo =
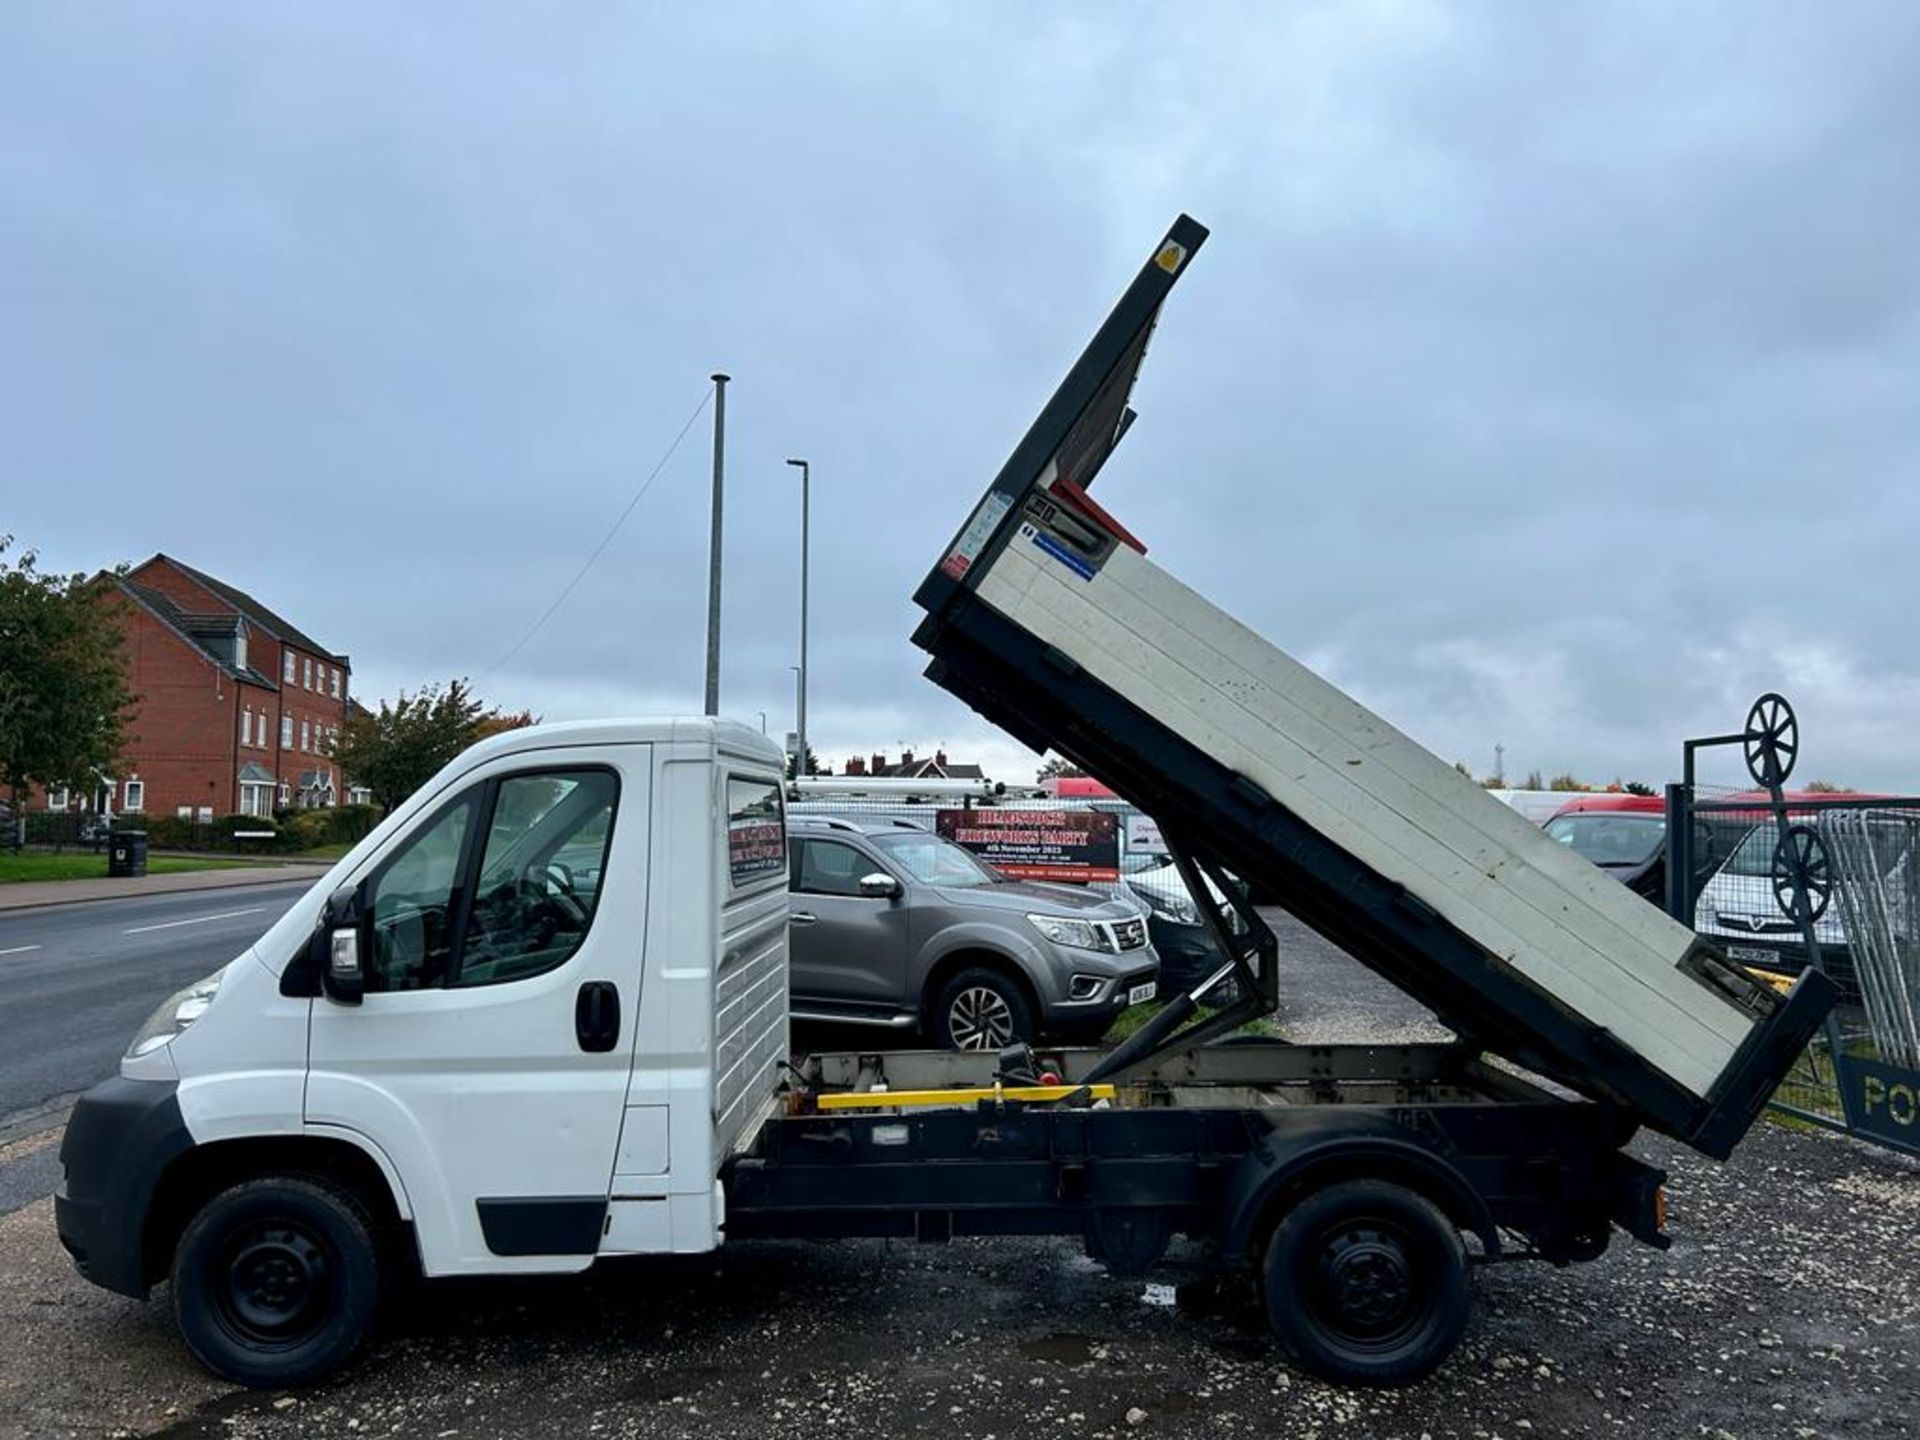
(802, 917)
(596, 1016)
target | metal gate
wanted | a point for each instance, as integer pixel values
(1782, 880)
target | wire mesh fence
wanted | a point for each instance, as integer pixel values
(1844, 873)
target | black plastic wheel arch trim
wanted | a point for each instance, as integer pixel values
(544, 1224)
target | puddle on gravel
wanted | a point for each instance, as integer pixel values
(1062, 1349)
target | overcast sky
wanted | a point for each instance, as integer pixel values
(1550, 379)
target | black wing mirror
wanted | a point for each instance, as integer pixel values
(339, 941)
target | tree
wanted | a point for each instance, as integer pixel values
(1637, 787)
(1567, 781)
(1057, 768)
(813, 764)
(1534, 782)
(64, 700)
(395, 750)
(1827, 787)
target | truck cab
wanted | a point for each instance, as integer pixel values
(487, 1025)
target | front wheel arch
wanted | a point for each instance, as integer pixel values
(199, 1174)
(974, 957)
(998, 967)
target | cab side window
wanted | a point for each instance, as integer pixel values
(828, 867)
(500, 885)
(540, 873)
(414, 901)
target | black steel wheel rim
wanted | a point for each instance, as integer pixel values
(1771, 741)
(1364, 1286)
(1801, 857)
(274, 1283)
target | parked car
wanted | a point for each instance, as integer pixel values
(1183, 943)
(891, 925)
(1740, 910)
(1625, 835)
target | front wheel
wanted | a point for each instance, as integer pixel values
(1366, 1284)
(276, 1281)
(981, 1009)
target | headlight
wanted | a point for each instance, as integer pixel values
(1177, 908)
(175, 1014)
(1077, 934)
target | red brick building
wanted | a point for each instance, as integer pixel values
(236, 708)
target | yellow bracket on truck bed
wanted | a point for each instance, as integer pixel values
(890, 1099)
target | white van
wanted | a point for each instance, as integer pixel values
(516, 1055)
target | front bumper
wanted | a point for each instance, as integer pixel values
(1187, 954)
(121, 1137)
(1064, 1013)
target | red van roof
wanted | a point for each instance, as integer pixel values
(1078, 787)
(1613, 801)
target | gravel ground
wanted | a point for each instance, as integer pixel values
(1789, 1307)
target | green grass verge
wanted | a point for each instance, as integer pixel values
(1134, 1016)
(17, 867)
(325, 852)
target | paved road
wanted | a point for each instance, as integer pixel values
(76, 981)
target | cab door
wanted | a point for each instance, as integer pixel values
(501, 946)
(844, 948)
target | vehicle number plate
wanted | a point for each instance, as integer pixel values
(1753, 954)
(1140, 994)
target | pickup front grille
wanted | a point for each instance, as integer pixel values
(1128, 934)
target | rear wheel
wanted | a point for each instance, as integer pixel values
(1366, 1284)
(981, 1009)
(276, 1281)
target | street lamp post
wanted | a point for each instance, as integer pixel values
(800, 705)
(714, 546)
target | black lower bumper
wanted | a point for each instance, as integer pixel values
(121, 1137)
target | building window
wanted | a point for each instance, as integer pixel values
(286, 732)
(240, 649)
(306, 673)
(246, 727)
(183, 812)
(286, 794)
(136, 797)
(57, 799)
(306, 735)
(286, 670)
(336, 682)
(256, 797)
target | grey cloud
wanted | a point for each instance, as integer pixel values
(1549, 378)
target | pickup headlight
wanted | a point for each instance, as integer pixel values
(1075, 934)
(175, 1014)
(1177, 908)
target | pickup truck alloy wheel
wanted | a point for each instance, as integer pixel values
(1366, 1283)
(276, 1281)
(980, 1009)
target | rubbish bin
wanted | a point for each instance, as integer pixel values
(127, 853)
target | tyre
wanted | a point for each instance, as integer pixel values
(277, 1281)
(1366, 1284)
(981, 1009)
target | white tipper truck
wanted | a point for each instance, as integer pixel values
(539, 1015)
